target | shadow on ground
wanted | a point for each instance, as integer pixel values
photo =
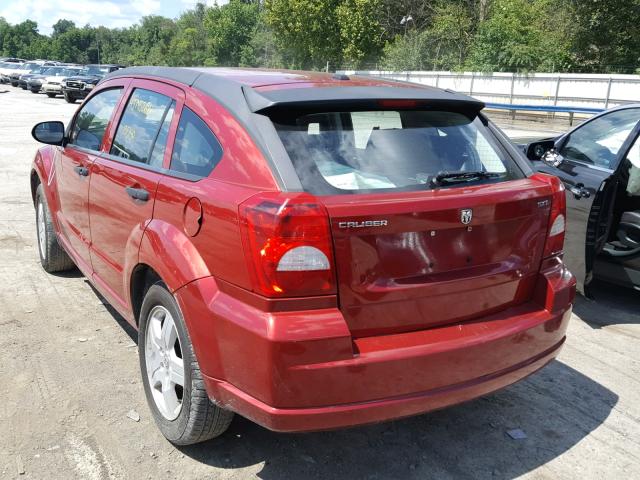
(556, 408)
(611, 305)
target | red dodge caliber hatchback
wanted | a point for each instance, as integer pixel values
(309, 251)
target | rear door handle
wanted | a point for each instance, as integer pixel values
(138, 193)
(579, 191)
(82, 171)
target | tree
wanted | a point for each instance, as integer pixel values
(360, 31)
(229, 29)
(605, 35)
(519, 36)
(442, 45)
(189, 46)
(62, 26)
(307, 30)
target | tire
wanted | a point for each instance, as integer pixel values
(33, 90)
(69, 98)
(51, 95)
(194, 417)
(14, 84)
(24, 87)
(52, 256)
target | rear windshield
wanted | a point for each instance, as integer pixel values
(364, 151)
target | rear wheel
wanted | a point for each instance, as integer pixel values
(171, 375)
(69, 98)
(51, 94)
(52, 256)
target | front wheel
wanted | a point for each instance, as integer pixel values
(52, 256)
(171, 375)
(69, 98)
(51, 94)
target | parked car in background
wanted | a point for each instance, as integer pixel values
(26, 68)
(6, 69)
(599, 163)
(25, 78)
(54, 75)
(79, 86)
(52, 84)
(308, 251)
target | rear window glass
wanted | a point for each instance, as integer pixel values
(359, 151)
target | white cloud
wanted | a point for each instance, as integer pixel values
(113, 13)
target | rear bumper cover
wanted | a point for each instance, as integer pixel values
(346, 415)
(302, 370)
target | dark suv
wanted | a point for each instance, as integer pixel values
(308, 251)
(79, 86)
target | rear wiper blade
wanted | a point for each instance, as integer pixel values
(446, 177)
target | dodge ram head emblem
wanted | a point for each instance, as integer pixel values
(466, 214)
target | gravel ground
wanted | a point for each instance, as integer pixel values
(69, 370)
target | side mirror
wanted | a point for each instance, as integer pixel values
(51, 133)
(536, 151)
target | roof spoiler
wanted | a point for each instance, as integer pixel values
(357, 96)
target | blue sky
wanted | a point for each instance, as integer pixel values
(110, 13)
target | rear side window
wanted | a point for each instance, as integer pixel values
(196, 150)
(358, 151)
(142, 123)
(92, 120)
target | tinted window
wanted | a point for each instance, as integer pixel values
(388, 149)
(91, 122)
(598, 141)
(140, 125)
(196, 150)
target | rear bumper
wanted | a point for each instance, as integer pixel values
(50, 88)
(302, 370)
(362, 413)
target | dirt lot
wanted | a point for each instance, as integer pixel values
(69, 373)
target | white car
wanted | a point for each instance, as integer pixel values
(52, 83)
(29, 67)
(6, 69)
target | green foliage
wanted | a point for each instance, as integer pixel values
(441, 45)
(520, 36)
(486, 35)
(605, 35)
(307, 30)
(229, 31)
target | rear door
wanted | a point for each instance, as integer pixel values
(125, 179)
(589, 156)
(433, 221)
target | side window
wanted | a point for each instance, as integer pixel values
(598, 142)
(196, 150)
(141, 125)
(91, 122)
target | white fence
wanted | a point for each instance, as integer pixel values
(554, 89)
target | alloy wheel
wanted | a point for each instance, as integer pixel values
(164, 362)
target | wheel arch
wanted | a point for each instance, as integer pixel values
(142, 277)
(166, 254)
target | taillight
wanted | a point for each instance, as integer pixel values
(557, 217)
(287, 243)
